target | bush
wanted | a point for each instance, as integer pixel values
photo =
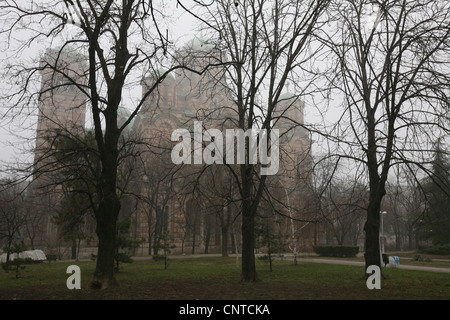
(418, 257)
(443, 249)
(51, 257)
(121, 257)
(158, 257)
(164, 243)
(336, 251)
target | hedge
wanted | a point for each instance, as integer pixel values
(336, 251)
(442, 249)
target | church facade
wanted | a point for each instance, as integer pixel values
(194, 207)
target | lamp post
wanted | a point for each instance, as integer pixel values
(382, 236)
(294, 249)
(382, 231)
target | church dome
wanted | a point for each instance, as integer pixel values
(159, 72)
(286, 96)
(122, 115)
(198, 44)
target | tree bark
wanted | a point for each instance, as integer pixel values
(74, 249)
(109, 203)
(248, 243)
(106, 232)
(224, 241)
(149, 232)
(372, 241)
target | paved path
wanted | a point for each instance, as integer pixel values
(322, 260)
(360, 263)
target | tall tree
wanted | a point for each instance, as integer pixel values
(265, 44)
(391, 62)
(121, 41)
(437, 195)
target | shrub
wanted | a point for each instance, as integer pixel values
(336, 251)
(164, 243)
(418, 257)
(158, 257)
(51, 257)
(443, 249)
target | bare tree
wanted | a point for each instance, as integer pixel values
(152, 182)
(343, 206)
(219, 193)
(392, 68)
(119, 43)
(341, 200)
(264, 42)
(12, 215)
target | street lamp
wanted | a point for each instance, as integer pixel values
(292, 224)
(381, 239)
(382, 231)
(382, 236)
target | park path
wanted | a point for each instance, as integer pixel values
(361, 263)
(308, 258)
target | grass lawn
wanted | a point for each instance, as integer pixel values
(219, 279)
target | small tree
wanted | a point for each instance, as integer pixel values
(12, 217)
(164, 243)
(269, 238)
(71, 220)
(124, 245)
(17, 263)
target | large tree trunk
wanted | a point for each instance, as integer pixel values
(106, 232)
(109, 207)
(376, 186)
(372, 241)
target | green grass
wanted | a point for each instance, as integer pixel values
(219, 279)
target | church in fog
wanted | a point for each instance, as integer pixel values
(195, 207)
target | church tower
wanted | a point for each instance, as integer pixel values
(295, 145)
(293, 183)
(61, 110)
(62, 105)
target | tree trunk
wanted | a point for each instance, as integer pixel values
(372, 230)
(248, 244)
(207, 239)
(224, 241)
(377, 191)
(398, 242)
(74, 249)
(78, 249)
(32, 243)
(106, 232)
(149, 233)
(193, 241)
(106, 217)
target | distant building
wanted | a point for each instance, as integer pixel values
(196, 212)
(61, 111)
